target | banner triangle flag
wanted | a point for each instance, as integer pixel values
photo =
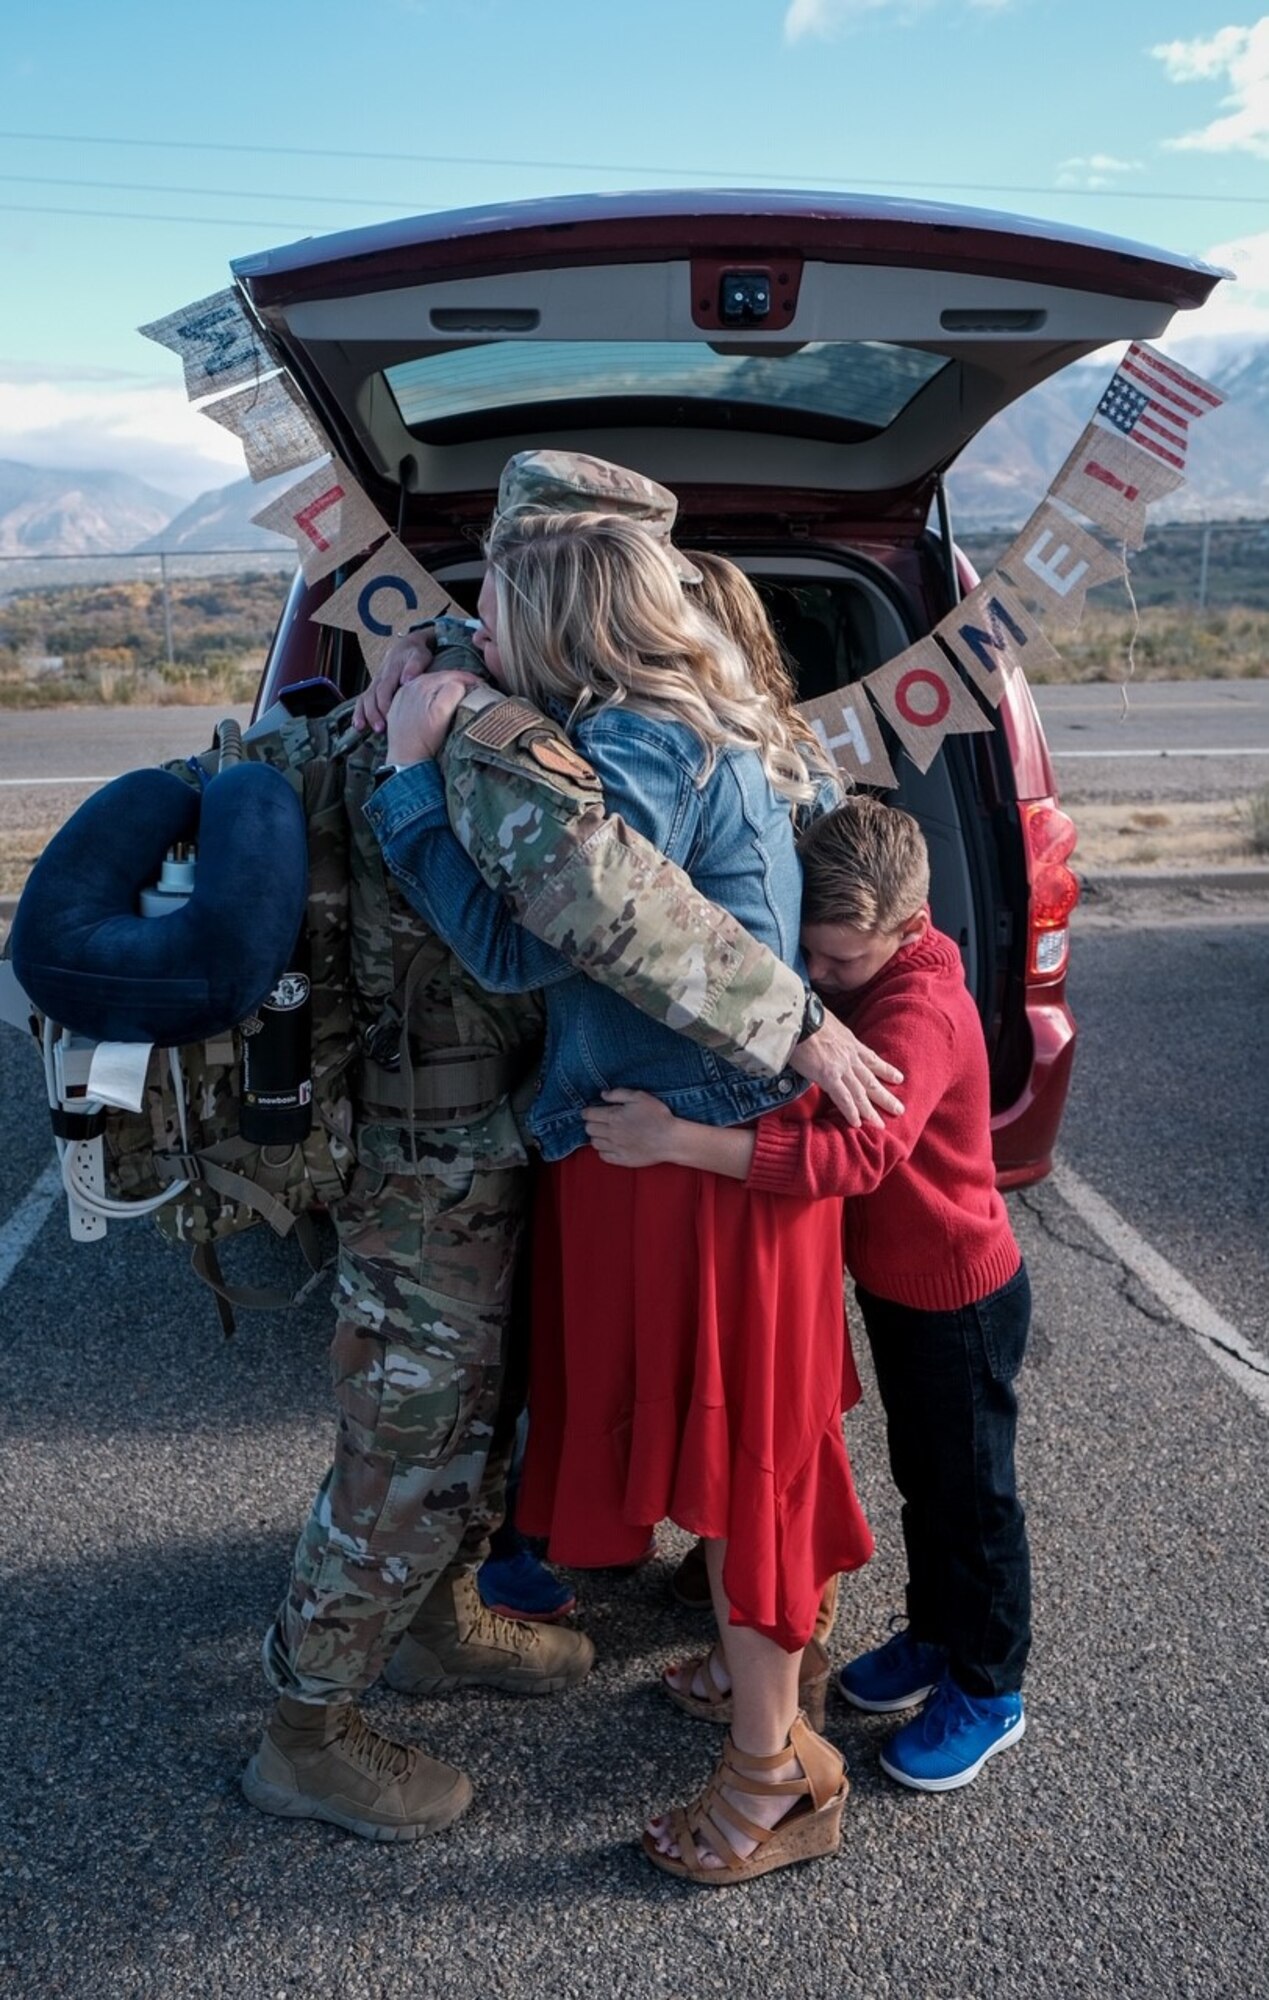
(217, 343)
(924, 700)
(1054, 563)
(327, 516)
(1153, 400)
(991, 634)
(277, 431)
(848, 730)
(1111, 483)
(389, 594)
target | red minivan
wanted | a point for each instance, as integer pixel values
(801, 370)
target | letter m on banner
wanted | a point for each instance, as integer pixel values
(991, 634)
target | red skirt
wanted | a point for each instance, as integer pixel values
(690, 1360)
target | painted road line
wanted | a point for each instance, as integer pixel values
(1156, 753)
(28, 1218)
(55, 781)
(1221, 1342)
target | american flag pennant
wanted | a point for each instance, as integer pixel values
(1154, 401)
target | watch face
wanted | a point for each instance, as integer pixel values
(812, 1016)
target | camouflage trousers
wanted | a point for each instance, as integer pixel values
(424, 1290)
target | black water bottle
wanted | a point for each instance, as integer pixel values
(277, 1059)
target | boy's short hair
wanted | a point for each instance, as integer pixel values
(864, 864)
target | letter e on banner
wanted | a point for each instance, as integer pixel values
(991, 634)
(1054, 564)
(922, 698)
(847, 727)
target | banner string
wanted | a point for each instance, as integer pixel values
(1132, 636)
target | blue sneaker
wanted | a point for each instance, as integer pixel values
(897, 1675)
(521, 1586)
(952, 1738)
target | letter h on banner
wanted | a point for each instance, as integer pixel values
(846, 726)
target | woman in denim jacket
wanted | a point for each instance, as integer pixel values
(713, 1391)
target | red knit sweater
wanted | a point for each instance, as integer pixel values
(924, 1223)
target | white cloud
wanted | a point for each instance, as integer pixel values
(1238, 308)
(1098, 170)
(84, 423)
(1238, 57)
(827, 18)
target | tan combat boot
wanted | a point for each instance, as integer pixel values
(455, 1642)
(327, 1762)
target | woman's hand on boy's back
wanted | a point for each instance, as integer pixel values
(854, 1076)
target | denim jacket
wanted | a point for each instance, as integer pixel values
(730, 832)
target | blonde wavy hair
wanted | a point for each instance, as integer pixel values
(591, 612)
(726, 595)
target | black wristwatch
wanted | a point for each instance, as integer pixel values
(812, 1016)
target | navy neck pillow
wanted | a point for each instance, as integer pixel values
(87, 957)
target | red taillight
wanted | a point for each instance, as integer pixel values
(1050, 838)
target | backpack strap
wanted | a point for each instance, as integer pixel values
(205, 1264)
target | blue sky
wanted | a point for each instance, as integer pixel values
(143, 146)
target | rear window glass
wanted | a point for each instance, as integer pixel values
(860, 382)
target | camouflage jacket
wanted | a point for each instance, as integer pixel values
(530, 812)
(377, 968)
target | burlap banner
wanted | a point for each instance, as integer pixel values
(924, 702)
(1131, 453)
(216, 341)
(388, 595)
(327, 516)
(1154, 401)
(1054, 564)
(1111, 483)
(273, 424)
(847, 727)
(991, 634)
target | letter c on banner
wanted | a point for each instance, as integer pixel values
(922, 717)
(397, 583)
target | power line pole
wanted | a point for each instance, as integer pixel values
(167, 608)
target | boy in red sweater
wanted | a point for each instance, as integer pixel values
(939, 1279)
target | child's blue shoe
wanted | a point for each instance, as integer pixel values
(952, 1738)
(520, 1586)
(896, 1675)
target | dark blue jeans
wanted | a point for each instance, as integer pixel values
(946, 1382)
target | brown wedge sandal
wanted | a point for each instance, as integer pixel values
(715, 1704)
(812, 1826)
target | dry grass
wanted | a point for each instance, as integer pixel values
(1167, 646)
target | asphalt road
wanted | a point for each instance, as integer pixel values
(153, 1479)
(1158, 739)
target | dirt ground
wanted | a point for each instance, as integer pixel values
(1178, 835)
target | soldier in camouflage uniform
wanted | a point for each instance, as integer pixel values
(428, 1231)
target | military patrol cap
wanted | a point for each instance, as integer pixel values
(572, 482)
(88, 958)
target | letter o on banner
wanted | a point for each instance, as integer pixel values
(929, 707)
(378, 583)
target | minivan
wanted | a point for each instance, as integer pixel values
(801, 370)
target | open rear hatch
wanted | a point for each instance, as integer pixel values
(802, 360)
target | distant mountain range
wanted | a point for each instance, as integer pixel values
(47, 512)
(997, 482)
